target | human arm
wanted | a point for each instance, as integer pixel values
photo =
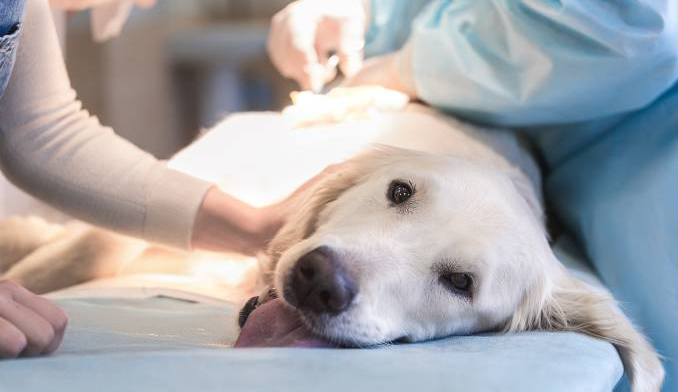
(55, 150)
(528, 62)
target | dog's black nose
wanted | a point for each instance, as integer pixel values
(320, 284)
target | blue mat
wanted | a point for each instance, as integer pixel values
(163, 344)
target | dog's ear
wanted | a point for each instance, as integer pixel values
(303, 221)
(572, 305)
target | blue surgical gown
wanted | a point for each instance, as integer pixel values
(593, 82)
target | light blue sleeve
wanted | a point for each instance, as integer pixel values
(528, 62)
(390, 22)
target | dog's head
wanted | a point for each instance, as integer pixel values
(411, 246)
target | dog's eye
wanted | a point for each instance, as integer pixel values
(399, 192)
(458, 282)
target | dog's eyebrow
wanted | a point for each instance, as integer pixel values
(447, 265)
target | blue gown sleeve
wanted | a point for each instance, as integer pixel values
(390, 22)
(532, 62)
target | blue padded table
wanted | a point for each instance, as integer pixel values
(162, 344)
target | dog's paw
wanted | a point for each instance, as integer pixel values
(246, 310)
(254, 302)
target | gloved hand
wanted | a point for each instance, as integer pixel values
(391, 71)
(304, 33)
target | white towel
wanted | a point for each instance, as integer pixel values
(107, 19)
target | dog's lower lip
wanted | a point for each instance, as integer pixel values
(319, 328)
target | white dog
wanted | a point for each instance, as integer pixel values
(440, 233)
(437, 231)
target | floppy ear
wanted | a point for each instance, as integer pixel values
(300, 225)
(572, 305)
(303, 221)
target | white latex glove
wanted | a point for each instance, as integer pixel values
(391, 71)
(306, 31)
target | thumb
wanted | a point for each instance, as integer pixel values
(350, 63)
(351, 45)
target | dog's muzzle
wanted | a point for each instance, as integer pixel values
(319, 284)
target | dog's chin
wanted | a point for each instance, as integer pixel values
(344, 332)
(343, 329)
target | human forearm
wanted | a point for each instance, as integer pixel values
(224, 223)
(58, 152)
(522, 63)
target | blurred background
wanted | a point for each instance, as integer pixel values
(177, 68)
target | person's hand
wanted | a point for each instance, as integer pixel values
(78, 5)
(226, 224)
(387, 71)
(29, 324)
(304, 33)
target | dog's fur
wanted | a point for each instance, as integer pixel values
(473, 211)
(476, 209)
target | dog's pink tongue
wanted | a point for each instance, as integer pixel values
(273, 324)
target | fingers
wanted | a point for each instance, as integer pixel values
(350, 46)
(290, 46)
(12, 340)
(47, 310)
(343, 35)
(350, 63)
(39, 333)
(304, 33)
(40, 323)
(314, 76)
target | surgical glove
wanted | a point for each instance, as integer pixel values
(304, 33)
(391, 71)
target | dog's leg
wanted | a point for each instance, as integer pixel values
(82, 254)
(19, 236)
(264, 280)
(266, 295)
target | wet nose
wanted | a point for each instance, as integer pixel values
(320, 284)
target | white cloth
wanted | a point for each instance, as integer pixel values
(58, 152)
